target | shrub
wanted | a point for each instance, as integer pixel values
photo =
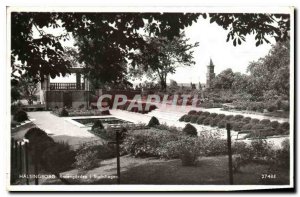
(39, 141)
(153, 122)
(214, 122)
(237, 126)
(194, 118)
(246, 120)
(222, 124)
(146, 142)
(86, 157)
(199, 113)
(205, 113)
(181, 119)
(63, 112)
(228, 117)
(186, 148)
(283, 154)
(187, 118)
(207, 121)
(212, 115)
(254, 121)
(220, 116)
(247, 126)
(265, 122)
(20, 116)
(97, 125)
(285, 127)
(201, 119)
(58, 158)
(237, 117)
(274, 124)
(190, 130)
(109, 133)
(216, 147)
(192, 112)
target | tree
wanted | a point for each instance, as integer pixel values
(29, 88)
(161, 56)
(271, 72)
(263, 26)
(224, 80)
(106, 40)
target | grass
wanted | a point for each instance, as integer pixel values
(208, 171)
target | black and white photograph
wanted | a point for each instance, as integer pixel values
(150, 99)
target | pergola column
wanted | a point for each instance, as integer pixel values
(78, 81)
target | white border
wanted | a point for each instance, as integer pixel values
(260, 9)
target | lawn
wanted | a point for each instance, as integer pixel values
(208, 171)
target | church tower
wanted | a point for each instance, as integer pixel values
(210, 75)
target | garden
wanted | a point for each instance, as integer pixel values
(254, 128)
(160, 145)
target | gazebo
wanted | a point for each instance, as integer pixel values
(68, 95)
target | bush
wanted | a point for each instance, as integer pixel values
(86, 157)
(190, 130)
(247, 127)
(153, 122)
(201, 119)
(97, 125)
(265, 122)
(58, 158)
(237, 118)
(192, 112)
(246, 120)
(194, 118)
(146, 142)
(187, 118)
(214, 122)
(212, 115)
(285, 128)
(199, 113)
(220, 116)
(39, 141)
(206, 114)
(181, 119)
(20, 116)
(216, 147)
(222, 124)
(283, 154)
(109, 133)
(228, 117)
(254, 121)
(63, 112)
(207, 121)
(237, 126)
(186, 148)
(274, 124)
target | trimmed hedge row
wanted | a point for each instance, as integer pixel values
(258, 127)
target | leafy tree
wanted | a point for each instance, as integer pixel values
(224, 80)
(263, 26)
(161, 56)
(106, 40)
(29, 88)
(271, 72)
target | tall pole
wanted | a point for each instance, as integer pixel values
(36, 168)
(26, 163)
(228, 127)
(118, 156)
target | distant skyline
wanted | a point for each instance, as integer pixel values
(212, 44)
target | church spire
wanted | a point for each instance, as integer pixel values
(211, 62)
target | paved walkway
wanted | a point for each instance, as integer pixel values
(60, 129)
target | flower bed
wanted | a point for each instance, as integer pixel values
(62, 112)
(136, 109)
(254, 127)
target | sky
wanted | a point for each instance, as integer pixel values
(212, 44)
